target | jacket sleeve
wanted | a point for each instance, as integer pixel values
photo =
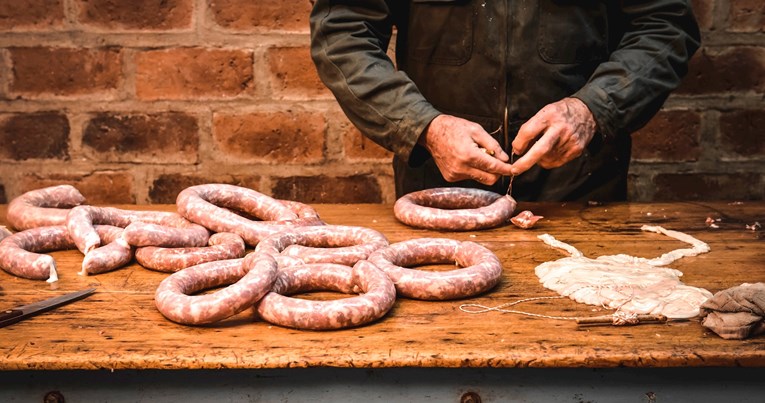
(349, 40)
(659, 38)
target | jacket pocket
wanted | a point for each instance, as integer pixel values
(441, 31)
(573, 31)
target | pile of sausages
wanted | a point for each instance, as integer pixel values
(203, 245)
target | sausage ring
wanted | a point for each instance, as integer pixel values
(250, 278)
(377, 296)
(454, 209)
(481, 269)
(208, 205)
(339, 244)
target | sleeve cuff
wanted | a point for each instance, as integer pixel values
(602, 108)
(414, 124)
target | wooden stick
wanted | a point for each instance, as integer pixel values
(606, 320)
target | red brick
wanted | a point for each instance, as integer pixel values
(65, 71)
(708, 186)
(136, 14)
(671, 136)
(326, 189)
(262, 15)
(741, 133)
(747, 16)
(739, 69)
(41, 135)
(25, 14)
(193, 73)
(295, 137)
(359, 147)
(100, 187)
(170, 137)
(293, 73)
(165, 188)
(703, 10)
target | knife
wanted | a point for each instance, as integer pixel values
(11, 316)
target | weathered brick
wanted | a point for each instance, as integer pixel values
(100, 187)
(193, 73)
(747, 16)
(65, 71)
(136, 14)
(287, 137)
(326, 189)
(703, 11)
(165, 188)
(358, 147)
(169, 137)
(740, 68)
(25, 14)
(708, 186)
(741, 133)
(293, 73)
(671, 136)
(40, 135)
(265, 15)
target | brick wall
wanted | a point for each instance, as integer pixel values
(131, 101)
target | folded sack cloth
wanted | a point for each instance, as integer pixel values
(736, 313)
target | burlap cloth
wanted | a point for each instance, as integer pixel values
(736, 313)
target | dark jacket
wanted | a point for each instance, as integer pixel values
(484, 60)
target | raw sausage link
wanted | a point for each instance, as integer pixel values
(222, 246)
(43, 207)
(325, 244)
(377, 296)
(481, 269)
(208, 205)
(250, 277)
(454, 209)
(80, 222)
(18, 253)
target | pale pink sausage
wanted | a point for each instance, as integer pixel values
(43, 207)
(81, 219)
(18, 253)
(222, 246)
(325, 244)
(454, 209)
(250, 277)
(210, 205)
(481, 269)
(377, 296)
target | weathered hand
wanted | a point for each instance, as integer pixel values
(461, 150)
(562, 130)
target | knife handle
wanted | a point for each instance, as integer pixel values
(10, 317)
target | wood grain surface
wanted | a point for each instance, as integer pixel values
(118, 327)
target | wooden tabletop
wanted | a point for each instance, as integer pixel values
(119, 328)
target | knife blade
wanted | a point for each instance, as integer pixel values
(11, 316)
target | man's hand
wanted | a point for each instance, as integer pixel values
(463, 150)
(562, 130)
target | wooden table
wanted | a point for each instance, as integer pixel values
(119, 328)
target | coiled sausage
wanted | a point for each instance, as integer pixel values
(377, 296)
(250, 277)
(454, 209)
(339, 244)
(481, 269)
(208, 205)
